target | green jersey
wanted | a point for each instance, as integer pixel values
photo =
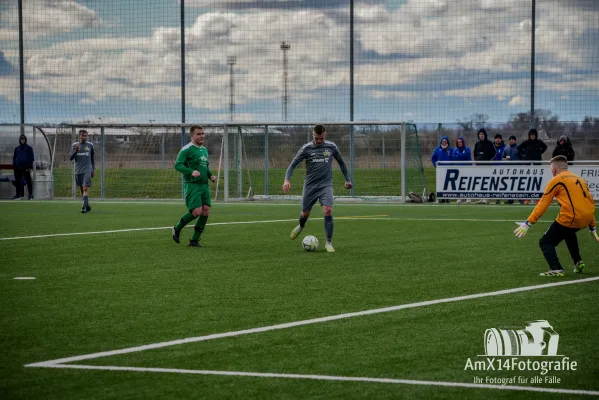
(193, 158)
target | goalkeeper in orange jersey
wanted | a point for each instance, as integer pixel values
(577, 211)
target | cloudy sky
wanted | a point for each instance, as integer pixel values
(426, 61)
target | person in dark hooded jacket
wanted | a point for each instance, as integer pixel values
(461, 153)
(22, 163)
(533, 148)
(564, 148)
(484, 150)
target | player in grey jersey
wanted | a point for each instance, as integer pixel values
(83, 154)
(318, 183)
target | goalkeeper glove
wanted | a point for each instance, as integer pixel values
(522, 229)
(594, 234)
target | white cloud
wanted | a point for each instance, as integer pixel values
(47, 17)
(477, 48)
(517, 101)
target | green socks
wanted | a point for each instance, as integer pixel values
(199, 227)
(185, 219)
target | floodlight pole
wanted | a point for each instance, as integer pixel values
(532, 66)
(231, 60)
(21, 69)
(285, 46)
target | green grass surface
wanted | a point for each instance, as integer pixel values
(116, 290)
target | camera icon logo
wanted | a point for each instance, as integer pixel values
(536, 339)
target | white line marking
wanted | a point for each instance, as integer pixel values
(332, 378)
(303, 322)
(141, 229)
(261, 222)
(24, 278)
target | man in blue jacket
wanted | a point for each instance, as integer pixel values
(22, 164)
(442, 152)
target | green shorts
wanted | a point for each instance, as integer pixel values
(197, 195)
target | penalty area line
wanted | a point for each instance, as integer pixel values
(332, 378)
(287, 325)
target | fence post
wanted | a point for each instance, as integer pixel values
(403, 162)
(265, 160)
(383, 149)
(103, 165)
(162, 150)
(33, 176)
(74, 134)
(239, 162)
(226, 161)
(351, 159)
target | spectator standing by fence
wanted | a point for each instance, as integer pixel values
(484, 150)
(461, 153)
(443, 152)
(564, 148)
(511, 153)
(22, 163)
(533, 148)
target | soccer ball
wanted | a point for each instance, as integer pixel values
(310, 243)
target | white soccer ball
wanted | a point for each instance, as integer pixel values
(310, 243)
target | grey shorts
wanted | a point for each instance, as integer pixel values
(83, 179)
(324, 195)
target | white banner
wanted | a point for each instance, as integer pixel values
(504, 181)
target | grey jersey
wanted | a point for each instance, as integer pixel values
(84, 158)
(319, 164)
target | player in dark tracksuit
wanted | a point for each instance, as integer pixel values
(22, 164)
(318, 183)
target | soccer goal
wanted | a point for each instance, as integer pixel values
(383, 158)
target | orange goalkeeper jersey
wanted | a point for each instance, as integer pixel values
(577, 207)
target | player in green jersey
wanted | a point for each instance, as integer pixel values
(192, 162)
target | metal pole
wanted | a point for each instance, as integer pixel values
(103, 164)
(239, 164)
(351, 60)
(183, 61)
(351, 158)
(73, 189)
(285, 46)
(403, 162)
(231, 60)
(21, 69)
(266, 160)
(383, 140)
(162, 150)
(226, 162)
(532, 67)
(33, 180)
(182, 28)
(351, 94)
